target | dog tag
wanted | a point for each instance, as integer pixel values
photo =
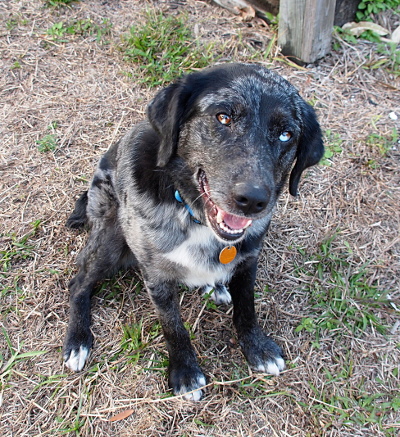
(227, 254)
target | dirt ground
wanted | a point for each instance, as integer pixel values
(328, 282)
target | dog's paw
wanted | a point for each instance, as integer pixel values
(219, 294)
(75, 353)
(273, 366)
(262, 353)
(76, 359)
(188, 382)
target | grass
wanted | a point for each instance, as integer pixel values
(380, 145)
(132, 342)
(59, 3)
(352, 405)
(163, 48)
(342, 401)
(333, 146)
(16, 21)
(389, 58)
(135, 339)
(342, 374)
(384, 53)
(83, 28)
(343, 298)
(48, 143)
(367, 8)
(17, 248)
(7, 366)
(345, 302)
(384, 143)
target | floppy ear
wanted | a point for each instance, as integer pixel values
(310, 148)
(166, 114)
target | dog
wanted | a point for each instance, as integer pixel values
(186, 197)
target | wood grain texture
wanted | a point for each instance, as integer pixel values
(305, 28)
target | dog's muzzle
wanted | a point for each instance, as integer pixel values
(229, 227)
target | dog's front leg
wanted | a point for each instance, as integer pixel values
(261, 352)
(78, 340)
(185, 375)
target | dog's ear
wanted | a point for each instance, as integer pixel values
(310, 148)
(167, 113)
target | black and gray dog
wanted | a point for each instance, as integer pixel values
(186, 197)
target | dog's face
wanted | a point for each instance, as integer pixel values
(230, 135)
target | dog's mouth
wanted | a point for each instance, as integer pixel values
(227, 226)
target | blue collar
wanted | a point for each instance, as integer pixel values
(189, 209)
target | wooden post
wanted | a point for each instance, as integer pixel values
(305, 28)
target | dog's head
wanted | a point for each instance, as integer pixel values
(230, 134)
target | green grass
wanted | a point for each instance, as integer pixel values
(342, 296)
(132, 337)
(48, 143)
(135, 339)
(333, 146)
(164, 48)
(56, 382)
(367, 8)
(58, 3)
(389, 59)
(16, 21)
(16, 65)
(379, 146)
(17, 248)
(16, 356)
(14, 251)
(384, 143)
(384, 54)
(342, 402)
(210, 304)
(83, 28)
(345, 301)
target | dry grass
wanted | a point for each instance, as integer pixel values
(339, 382)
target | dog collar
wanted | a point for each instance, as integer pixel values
(189, 209)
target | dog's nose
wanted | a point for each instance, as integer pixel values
(251, 199)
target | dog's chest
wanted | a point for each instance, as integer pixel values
(198, 259)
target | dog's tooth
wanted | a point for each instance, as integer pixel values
(225, 228)
(248, 224)
(220, 216)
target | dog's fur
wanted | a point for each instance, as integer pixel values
(225, 139)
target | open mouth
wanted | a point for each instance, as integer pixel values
(227, 226)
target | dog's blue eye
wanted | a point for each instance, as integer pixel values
(224, 119)
(285, 136)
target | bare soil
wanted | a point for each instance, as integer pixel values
(344, 383)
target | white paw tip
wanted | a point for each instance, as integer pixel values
(195, 396)
(192, 394)
(220, 295)
(272, 367)
(76, 361)
(207, 290)
(280, 363)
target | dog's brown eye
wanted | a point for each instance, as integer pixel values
(285, 136)
(224, 119)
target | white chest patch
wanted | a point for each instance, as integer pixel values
(197, 256)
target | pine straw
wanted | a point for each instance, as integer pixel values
(81, 85)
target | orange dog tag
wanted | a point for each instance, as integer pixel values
(227, 254)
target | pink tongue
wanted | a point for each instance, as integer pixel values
(233, 221)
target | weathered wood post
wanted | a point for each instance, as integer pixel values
(305, 28)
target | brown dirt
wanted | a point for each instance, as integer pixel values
(81, 84)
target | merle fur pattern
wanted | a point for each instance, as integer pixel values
(244, 156)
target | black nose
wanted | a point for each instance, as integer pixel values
(251, 199)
